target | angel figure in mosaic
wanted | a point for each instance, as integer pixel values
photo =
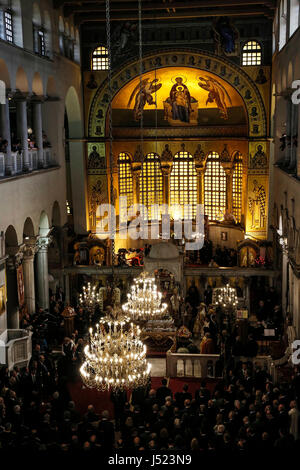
(143, 94)
(216, 94)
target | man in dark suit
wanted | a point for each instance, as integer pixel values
(163, 392)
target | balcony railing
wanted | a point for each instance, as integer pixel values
(14, 164)
(15, 348)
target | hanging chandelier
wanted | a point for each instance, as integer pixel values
(144, 301)
(115, 357)
(225, 297)
(89, 298)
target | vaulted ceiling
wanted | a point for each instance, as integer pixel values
(123, 10)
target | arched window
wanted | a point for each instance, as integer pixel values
(282, 23)
(183, 182)
(125, 179)
(214, 187)
(151, 185)
(294, 16)
(237, 188)
(100, 58)
(252, 53)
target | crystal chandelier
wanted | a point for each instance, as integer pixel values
(115, 357)
(89, 298)
(225, 297)
(144, 301)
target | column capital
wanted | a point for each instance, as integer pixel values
(20, 96)
(15, 257)
(43, 243)
(38, 99)
(29, 248)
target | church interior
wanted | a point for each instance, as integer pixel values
(149, 227)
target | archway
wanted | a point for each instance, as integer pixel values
(4, 74)
(37, 84)
(73, 113)
(75, 148)
(21, 80)
(28, 230)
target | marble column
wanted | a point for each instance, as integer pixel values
(42, 272)
(5, 132)
(229, 175)
(200, 185)
(38, 131)
(28, 272)
(22, 129)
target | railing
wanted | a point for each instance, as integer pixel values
(18, 348)
(204, 365)
(47, 157)
(18, 156)
(14, 164)
(191, 365)
(33, 156)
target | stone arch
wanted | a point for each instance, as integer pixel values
(21, 80)
(73, 113)
(11, 238)
(56, 217)
(231, 73)
(37, 84)
(44, 224)
(51, 86)
(28, 228)
(4, 73)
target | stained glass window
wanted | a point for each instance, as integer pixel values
(8, 24)
(183, 182)
(237, 189)
(214, 188)
(100, 59)
(151, 185)
(252, 53)
(125, 179)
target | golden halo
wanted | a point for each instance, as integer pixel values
(184, 79)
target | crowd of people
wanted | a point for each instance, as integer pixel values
(242, 412)
(16, 144)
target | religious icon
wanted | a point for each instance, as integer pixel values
(95, 160)
(180, 99)
(257, 206)
(260, 159)
(261, 78)
(143, 94)
(180, 107)
(92, 84)
(225, 36)
(216, 93)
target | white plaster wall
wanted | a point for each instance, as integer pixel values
(29, 195)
